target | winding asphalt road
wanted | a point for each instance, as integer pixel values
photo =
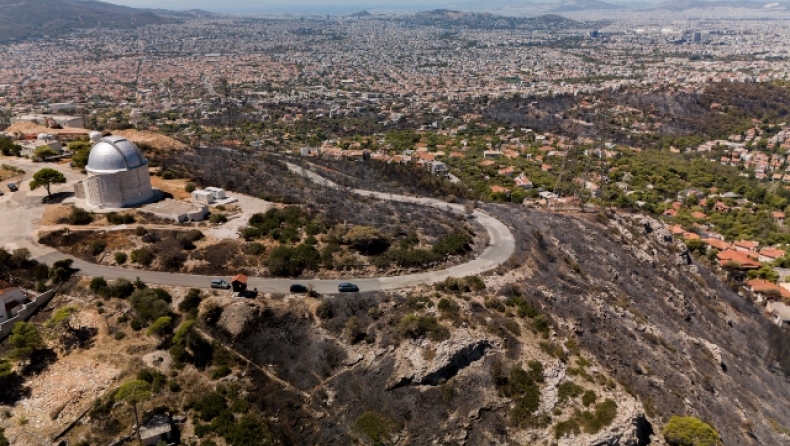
(21, 212)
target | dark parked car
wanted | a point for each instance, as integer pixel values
(347, 287)
(298, 288)
(219, 283)
(12, 187)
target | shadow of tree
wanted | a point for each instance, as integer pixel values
(40, 361)
(57, 197)
(14, 389)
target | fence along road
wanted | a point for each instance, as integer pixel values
(500, 248)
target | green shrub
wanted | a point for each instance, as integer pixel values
(553, 349)
(254, 249)
(523, 308)
(167, 175)
(136, 324)
(148, 305)
(220, 372)
(540, 323)
(120, 288)
(143, 256)
(119, 335)
(568, 390)
(376, 426)
(187, 239)
(524, 387)
(209, 406)
(189, 187)
(99, 286)
(97, 247)
(602, 417)
(690, 431)
(588, 398)
(454, 243)
(115, 218)
(79, 216)
(160, 326)
(287, 261)
(493, 303)
(120, 257)
(415, 327)
(191, 301)
(218, 219)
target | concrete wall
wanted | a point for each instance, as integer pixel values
(118, 190)
(25, 312)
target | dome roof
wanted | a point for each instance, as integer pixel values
(114, 154)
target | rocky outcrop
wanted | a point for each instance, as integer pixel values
(630, 428)
(238, 318)
(450, 357)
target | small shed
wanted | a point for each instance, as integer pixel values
(156, 429)
(202, 197)
(218, 193)
(239, 283)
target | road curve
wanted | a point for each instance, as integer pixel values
(500, 248)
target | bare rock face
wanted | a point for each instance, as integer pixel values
(450, 357)
(630, 428)
(238, 318)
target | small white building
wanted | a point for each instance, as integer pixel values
(201, 196)
(29, 147)
(155, 429)
(12, 301)
(218, 193)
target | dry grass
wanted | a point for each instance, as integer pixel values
(155, 140)
(8, 174)
(174, 187)
(54, 214)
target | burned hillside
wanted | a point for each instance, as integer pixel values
(664, 337)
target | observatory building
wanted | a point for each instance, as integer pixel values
(117, 175)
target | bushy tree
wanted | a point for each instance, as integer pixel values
(690, 431)
(61, 270)
(47, 177)
(134, 392)
(24, 340)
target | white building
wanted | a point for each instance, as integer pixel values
(201, 196)
(11, 302)
(217, 192)
(117, 175)
(65, 121)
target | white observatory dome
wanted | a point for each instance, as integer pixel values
(114, 154)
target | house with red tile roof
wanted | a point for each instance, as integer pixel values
(523, 182)
(721, 245)
(746, 245)
(499, 189)
(739, 258)
(676, 230)
(506, 171)
(690, 236)
(699, 215)
(766, 288)
(770, 254)
(671, 213)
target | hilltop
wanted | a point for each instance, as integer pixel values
(37, 18)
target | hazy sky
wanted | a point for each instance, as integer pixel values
(285, 6)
